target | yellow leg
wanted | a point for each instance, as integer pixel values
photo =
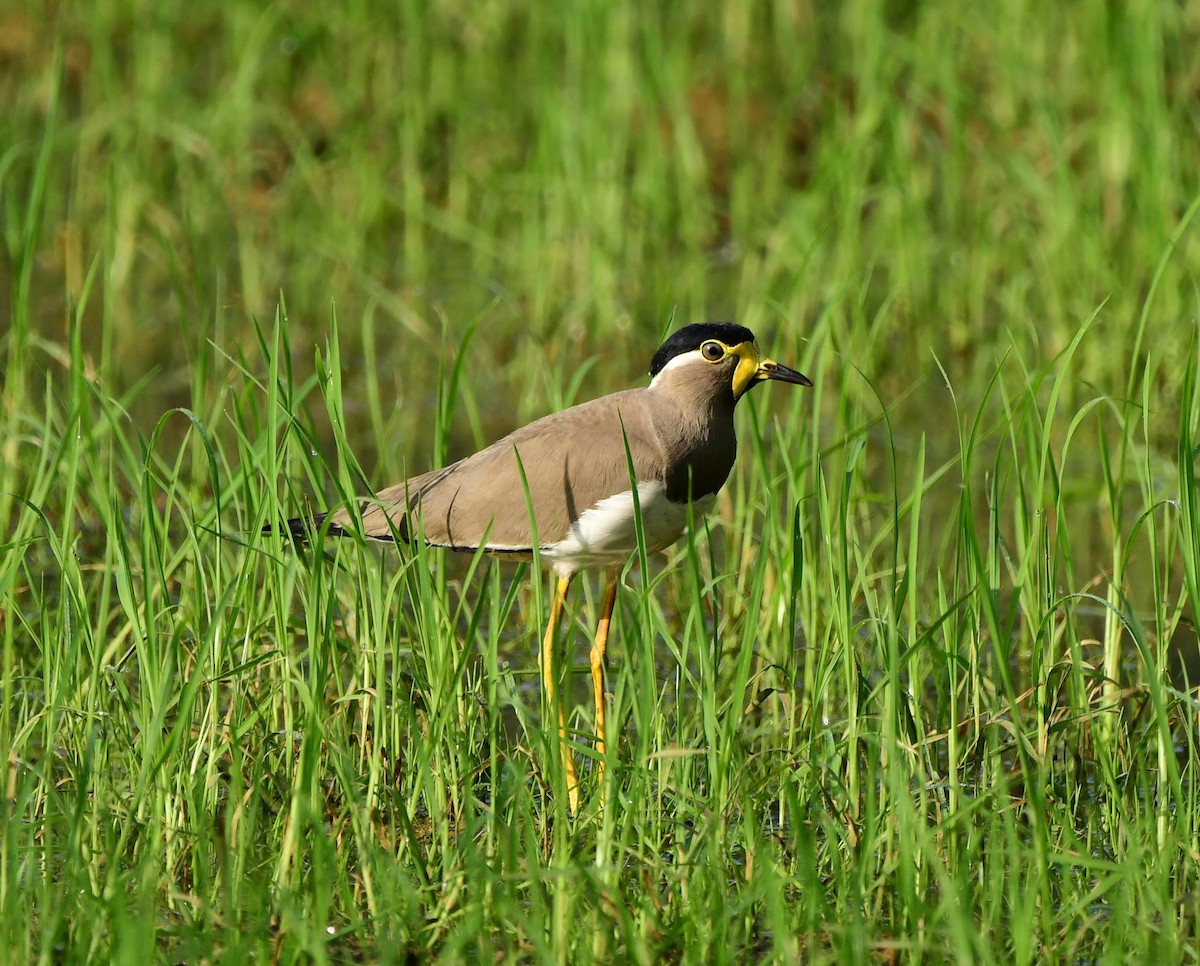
(549, 683)
(599, 669)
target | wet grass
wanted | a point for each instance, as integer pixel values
(918, 689)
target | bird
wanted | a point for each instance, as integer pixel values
(567, 488)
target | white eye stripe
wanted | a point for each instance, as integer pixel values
(683, 359)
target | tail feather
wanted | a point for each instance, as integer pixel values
(303, 529)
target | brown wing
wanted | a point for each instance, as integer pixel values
(571, 461)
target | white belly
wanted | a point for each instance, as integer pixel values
(606, 535)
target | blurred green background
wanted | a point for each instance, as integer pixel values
(908, 179)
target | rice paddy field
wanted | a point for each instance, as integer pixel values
(922, 687)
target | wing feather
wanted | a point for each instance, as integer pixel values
(571, 460)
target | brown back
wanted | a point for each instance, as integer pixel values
(571, 461)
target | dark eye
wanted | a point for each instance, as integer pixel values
(712, 351)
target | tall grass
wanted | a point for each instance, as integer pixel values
(917, 689)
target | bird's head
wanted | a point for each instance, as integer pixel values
(722, 353)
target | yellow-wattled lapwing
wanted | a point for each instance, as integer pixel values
(563, 484)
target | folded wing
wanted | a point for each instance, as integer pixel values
(563, 464)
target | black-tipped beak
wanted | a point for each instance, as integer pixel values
(770, 369)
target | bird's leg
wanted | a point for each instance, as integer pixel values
(599, 671)
(549, 683)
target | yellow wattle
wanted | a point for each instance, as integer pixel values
(746, 372)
